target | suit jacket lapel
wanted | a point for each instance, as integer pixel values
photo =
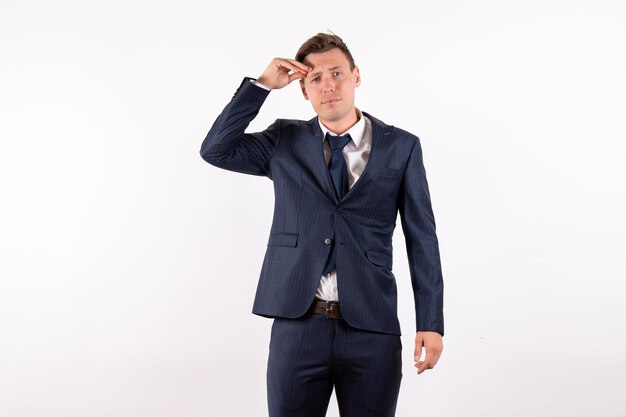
(316, 148)
(381, 133)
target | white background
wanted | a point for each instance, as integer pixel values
(128, 265)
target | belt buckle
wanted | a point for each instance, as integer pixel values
(332, 313)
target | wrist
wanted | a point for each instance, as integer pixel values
(260, 83)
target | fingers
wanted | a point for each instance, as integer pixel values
(433, 345)
(292, 65)
(282, 71)
(297, 70)
(297, 75)
(429, 361)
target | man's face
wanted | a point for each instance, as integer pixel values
(330, 85)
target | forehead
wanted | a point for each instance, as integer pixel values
(331, 58)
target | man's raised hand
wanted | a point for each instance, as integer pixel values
(282, 71)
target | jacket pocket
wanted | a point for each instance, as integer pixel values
(379, 258)
(283, 239)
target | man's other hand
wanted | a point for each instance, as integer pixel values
(432, 342)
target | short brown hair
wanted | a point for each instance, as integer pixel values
(323, 42)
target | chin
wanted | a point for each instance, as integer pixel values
(331, 116)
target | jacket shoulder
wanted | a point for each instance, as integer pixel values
(295, 127)
(398, 133)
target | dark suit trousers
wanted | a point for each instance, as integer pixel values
(311, 354)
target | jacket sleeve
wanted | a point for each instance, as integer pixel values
(228, 146)
(418, 225)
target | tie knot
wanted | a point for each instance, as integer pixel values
(338, 142)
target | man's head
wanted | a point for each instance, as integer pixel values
(331, 83)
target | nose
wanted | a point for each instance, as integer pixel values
(329, 85)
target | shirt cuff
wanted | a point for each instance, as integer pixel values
(258, 84)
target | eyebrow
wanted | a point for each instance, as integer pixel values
(336, 67)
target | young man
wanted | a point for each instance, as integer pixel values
(339, 181)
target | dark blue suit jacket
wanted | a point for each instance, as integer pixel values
(361, 224)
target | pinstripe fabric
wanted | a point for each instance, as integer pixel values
(310, 354)
(307, 213)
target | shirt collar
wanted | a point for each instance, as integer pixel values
(356, 132)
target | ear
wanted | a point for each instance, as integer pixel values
(357, 76)
(303, 88)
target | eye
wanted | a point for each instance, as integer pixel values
(315, 79)
(337, 73)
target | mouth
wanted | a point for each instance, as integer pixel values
(331, 101)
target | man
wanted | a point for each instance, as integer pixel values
(339, 181)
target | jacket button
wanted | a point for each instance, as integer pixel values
(328, 241)
(339, 209)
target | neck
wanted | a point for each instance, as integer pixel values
(343, 125)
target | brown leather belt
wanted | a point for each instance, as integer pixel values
(329, 309)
